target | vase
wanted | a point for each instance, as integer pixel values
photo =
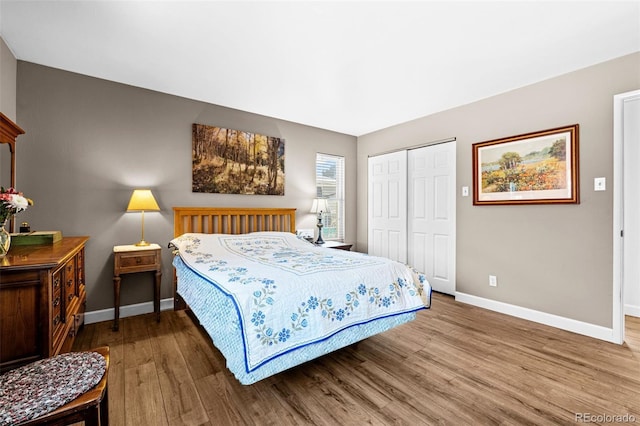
(5, 241)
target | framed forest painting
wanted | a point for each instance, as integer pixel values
(533, 168)
(226, 161)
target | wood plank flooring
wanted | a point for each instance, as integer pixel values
(456, 364)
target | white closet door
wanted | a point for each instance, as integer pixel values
(387, 206)
(432, 214)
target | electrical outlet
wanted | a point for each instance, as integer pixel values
(493, 280)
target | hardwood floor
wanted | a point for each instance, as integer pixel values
(456, 364)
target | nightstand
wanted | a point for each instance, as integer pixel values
(336, 245)
(130, 259)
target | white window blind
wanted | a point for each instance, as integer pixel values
(330, 185)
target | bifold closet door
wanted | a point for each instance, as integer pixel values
(431, 213)
(387, 206)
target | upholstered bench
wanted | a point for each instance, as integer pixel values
(63, 389)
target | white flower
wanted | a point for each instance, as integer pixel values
(19, 202)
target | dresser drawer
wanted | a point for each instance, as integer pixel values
(79, 270)
(70, 268)
(56, 298)
(56, 303)
(57, 280)
(57, 317)
(70, 276)
(80, 259)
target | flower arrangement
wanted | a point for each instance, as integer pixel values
(12, 202)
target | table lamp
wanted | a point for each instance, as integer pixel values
(320, 205)
(141, 200)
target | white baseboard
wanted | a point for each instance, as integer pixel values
(632, 310)
(563, 323)
(126, 311)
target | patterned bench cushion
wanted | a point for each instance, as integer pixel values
(43, 386)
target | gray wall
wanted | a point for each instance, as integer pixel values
(8, 68)
(551, 258)
(89, 142)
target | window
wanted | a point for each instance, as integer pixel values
(330, 185)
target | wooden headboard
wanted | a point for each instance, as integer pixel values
(232, 220)
(228, 220)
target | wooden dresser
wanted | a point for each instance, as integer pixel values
(42, 300)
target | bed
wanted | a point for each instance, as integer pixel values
(271, 301)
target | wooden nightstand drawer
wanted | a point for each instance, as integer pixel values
(133, 261)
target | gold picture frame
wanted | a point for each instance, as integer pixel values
(532, 168)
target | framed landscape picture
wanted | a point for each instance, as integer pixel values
(227, 161)
(534, 168)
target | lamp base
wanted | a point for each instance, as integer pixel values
(142, 243)
(319, 240)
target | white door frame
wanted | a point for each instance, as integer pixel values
(618, 213)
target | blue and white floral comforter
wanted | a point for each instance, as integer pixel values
(289, 293)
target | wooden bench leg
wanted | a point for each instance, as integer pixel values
(92, 416)
(104, 409)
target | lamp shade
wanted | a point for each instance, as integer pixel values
(320, 205)
(142, 200)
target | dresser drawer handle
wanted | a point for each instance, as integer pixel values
(69, 283)
(56, 282)
(138, 260)
(56, 320)
(56, 302)
(70, 298)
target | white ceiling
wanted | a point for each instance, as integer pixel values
(349, 66)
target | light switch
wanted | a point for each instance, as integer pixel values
(599, 184)
(465, 191)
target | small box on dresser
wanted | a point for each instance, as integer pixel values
(35, 238)
(42, 300)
